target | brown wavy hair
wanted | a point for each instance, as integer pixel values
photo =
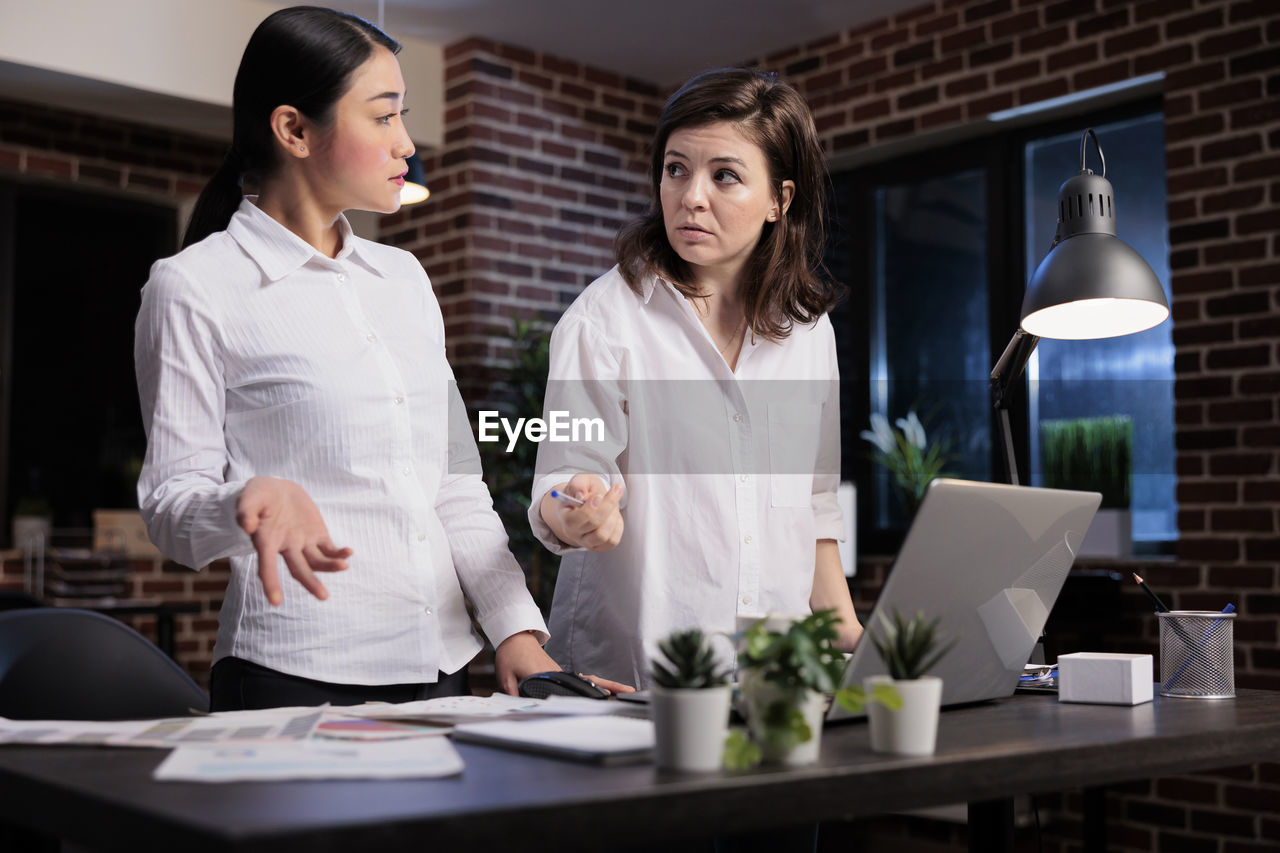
(785, 280)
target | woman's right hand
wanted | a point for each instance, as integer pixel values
(281, 519)
(596, 525)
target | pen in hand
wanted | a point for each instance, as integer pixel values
(566, 499)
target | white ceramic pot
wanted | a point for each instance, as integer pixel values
(913, 728)
(757, 695)
(690, 727)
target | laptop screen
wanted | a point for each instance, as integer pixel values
(989, 560)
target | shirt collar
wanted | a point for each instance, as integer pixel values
(279, 252)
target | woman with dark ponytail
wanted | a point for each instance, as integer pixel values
(294, 385)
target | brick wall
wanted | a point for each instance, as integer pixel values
(63, 148)
(949, 63)
(543, 161)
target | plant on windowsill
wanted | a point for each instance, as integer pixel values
(690, 703)
(1094, 454)
(787, 667)
(911, 459)
(909, 647)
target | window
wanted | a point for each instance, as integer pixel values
(936, 248)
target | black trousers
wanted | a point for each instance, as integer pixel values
(238, 685)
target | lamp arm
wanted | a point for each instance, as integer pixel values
(1008, 369)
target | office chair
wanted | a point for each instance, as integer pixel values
(63, 664)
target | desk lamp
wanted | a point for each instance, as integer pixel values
(1090, 285)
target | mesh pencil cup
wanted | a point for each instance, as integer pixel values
(1196, 654)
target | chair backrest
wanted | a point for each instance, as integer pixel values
(63, 664)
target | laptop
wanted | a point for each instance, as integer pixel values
(989, 560)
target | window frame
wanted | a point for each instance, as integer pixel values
(1000, 154)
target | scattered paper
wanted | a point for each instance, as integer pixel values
(427, 757)
(277, 724)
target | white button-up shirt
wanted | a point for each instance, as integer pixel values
(258, 355)
(730, 476)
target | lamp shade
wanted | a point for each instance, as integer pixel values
(1091, 284)
(415, 182)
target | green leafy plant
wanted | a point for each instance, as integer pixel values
(690, 664)
(909, 647)
(1090, 454)
(793, 662)
(911, 459)
(510, 475)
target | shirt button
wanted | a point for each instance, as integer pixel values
(399, 400)
(371, 337)
(406, 471)
(422, 537)
(747, 539)
(427, 611)
(737, 417)
(341, 278)
(746, 599)
(745, 478)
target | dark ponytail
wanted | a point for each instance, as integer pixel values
(303, 57)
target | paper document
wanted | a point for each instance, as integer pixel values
(426, 757)
(277, 724)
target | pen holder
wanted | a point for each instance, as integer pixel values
(1196, 654)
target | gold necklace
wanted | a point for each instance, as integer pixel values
(733, 336)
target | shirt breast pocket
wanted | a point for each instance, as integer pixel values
(793, 451)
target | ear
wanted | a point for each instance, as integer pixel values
(782, 201)
(288, 126)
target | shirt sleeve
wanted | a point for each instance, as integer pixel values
(188, 505)
(827, 517)
(584, 382)
(488, 573)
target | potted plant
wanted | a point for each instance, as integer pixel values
(1094, 454)
(787, 667)
(908, 455)
(909, 648)
(690, 703)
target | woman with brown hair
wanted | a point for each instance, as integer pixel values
(707, 356)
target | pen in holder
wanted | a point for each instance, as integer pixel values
(1196, 654)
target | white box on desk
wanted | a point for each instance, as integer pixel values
(1105, 679)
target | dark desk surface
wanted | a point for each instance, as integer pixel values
(1024, 744)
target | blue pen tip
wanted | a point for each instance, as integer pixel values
(1230, 608)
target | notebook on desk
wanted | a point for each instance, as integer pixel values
(989, 560)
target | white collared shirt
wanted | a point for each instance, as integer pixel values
(258, 355)
(730, 476)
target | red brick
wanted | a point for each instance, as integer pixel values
(1022, 22)
(1189, 790)
(1183, 283)
(1266, 167)
(1131, 41)
(1252, 223)
(1113, 72)
(869, 67)
(1207, 549)
(937, 24)
(1042, 91)
(1192, 25)
(1230, 94)
(895, 81)
(561, 66)
(944, 116)
(871, 110)
(963, 39)
(1236, 199)
(1236, 250)
(936, 69)
(981, 107)
(1163, 59)
(1019, 71)
(1043, 39)
(1072, 56)
(966, 85)
(1235, 41)
(1195, 76)
(1266, 274)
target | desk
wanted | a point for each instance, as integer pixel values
(1024, 744)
